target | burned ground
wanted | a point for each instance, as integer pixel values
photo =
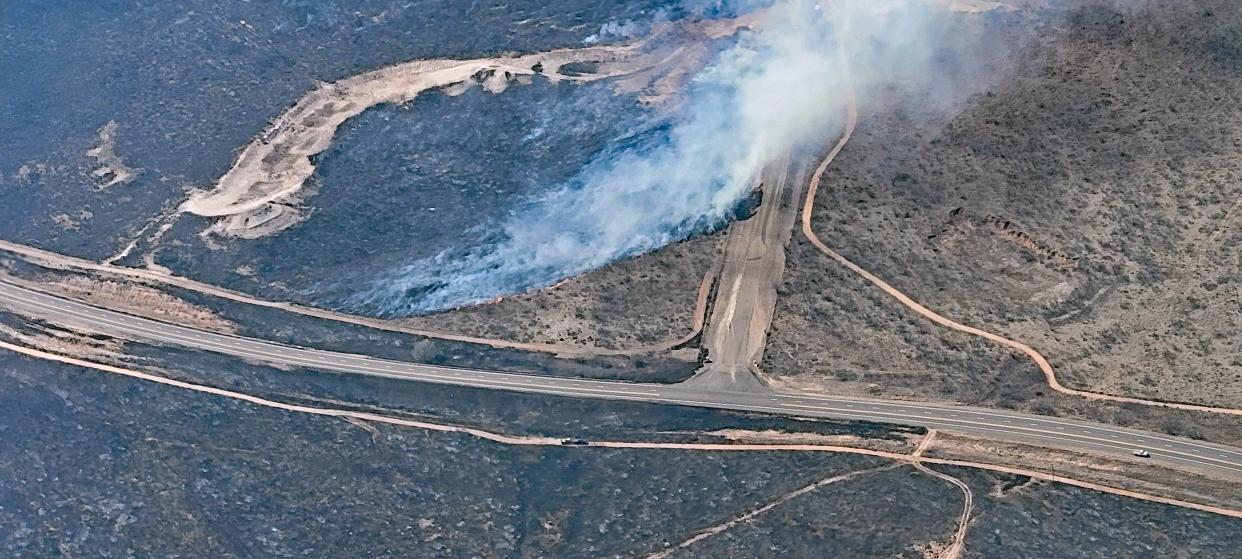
(888, 513)
(187, 83)
(104, 465)
(301, 330)
(1023, 518)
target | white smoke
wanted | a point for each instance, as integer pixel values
(782, 86)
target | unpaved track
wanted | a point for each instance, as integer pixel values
(57, 261)
(958, 543)
(709, 532)
(1049, 374)
(548, 441)
(986, 423)
(754, 263)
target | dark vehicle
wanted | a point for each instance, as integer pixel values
(575, 442)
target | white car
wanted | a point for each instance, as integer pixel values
(1142, 453)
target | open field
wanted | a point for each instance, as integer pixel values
(1085, 204)
(629, 304)
(1028, 519)
(244, 481)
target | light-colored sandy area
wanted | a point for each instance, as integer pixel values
(260, 195)
(902, 445)
(112, 169)
(71, 222)
(80, 344)
(134, 299)
(971, 6)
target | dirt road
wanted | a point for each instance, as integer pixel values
(1035, 356)
(754, 262)
(375, 418)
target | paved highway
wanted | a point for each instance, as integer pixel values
(996, 424)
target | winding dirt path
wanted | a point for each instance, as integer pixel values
(958, 543)
(547, 441)
(747, 517)
(1039, 360)
(58, 261)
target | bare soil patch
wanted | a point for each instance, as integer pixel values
(135, 299)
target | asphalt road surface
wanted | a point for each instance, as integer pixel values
(994, 424)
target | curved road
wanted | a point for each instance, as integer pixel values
(990, 423)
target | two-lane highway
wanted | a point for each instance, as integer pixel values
(993, 424)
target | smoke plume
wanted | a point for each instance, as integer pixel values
(780, 87)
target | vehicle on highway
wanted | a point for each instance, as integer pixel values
(575, 442)
(1142, 453)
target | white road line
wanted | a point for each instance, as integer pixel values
(1078, 438)
(1049, 420)
(463, 377)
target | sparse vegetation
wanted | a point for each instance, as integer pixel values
(1110, 143)
(636, 302)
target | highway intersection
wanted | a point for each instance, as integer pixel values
(989, 423)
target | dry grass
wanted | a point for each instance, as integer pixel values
(1132, 474)
(137, 299)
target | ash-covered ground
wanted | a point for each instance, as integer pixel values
(425, 183)
(111, 112)
(459, 195)
(107, 466)
(1023, 518)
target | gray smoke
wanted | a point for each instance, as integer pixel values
(782, 86)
